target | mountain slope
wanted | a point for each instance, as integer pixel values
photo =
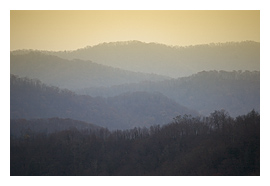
(31, 99)
(154, 107)
(237, 92)
(172, 61)
(72, 74)
(21, 127)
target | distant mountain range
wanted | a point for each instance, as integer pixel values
(72, 74)
(237, 92)
(121, 85)
(172, 61)
(31, 99)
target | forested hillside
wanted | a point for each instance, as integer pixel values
(31, 99)
(237, 91)
(23, 128)
(72, 74)
(214, 146)
(155, 108)
(173, 61)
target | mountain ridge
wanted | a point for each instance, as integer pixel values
(23, 127)
(31, 99)
(72, 74)
(237, 91)
(113, 43)
(172, 61)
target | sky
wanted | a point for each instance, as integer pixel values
(70, 30)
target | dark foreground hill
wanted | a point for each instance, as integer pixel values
(31, 99)
(217, 145)
(72, 74)
(237, 91)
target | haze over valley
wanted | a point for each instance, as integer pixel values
(236, 91)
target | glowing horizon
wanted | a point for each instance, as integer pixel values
(70, 30)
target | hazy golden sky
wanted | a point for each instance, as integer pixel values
(69, 30)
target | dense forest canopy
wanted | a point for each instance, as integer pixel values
(213, 145)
